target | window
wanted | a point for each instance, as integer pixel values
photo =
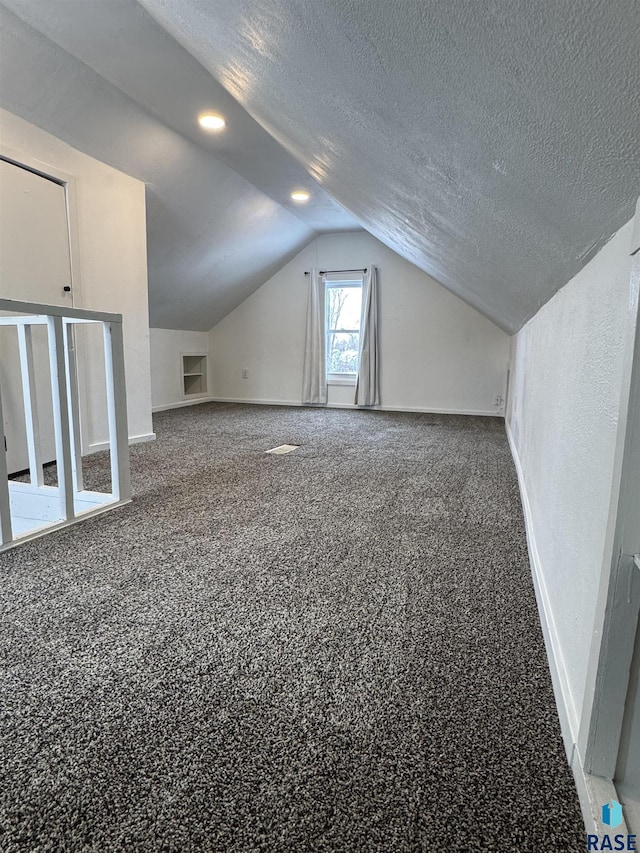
(343, 307)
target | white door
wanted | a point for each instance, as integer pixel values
(35, 266)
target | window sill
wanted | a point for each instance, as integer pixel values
(341, 380)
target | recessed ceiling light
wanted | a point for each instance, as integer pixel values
(300, 196)
(211, 122)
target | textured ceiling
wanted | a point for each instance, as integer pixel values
(494, 143)
(218, 214)
(125, 46)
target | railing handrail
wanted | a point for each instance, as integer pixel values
(58, 311)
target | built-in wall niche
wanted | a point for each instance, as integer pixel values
(194, 374)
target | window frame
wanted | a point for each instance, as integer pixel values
(342, 284)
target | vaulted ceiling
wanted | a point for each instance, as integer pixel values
(493, 143)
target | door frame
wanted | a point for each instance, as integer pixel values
(68, 182)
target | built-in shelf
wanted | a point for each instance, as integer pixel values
(194, 374)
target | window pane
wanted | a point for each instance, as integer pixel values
(343, 307)
(342, 352)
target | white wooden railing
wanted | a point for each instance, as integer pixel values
(33, 508)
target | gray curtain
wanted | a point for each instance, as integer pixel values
(314, 382)
(368, 381)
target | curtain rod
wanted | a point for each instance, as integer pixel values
(324, 272)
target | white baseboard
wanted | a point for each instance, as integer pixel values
(133, 439)
(415, 409)
(564, 700)
(140, 439)
(254, 402)
(484, 413)
(182, 404)
(593, 791)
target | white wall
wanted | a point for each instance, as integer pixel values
(167, 348)
(109, 256)
(438, 354)
(568, 368)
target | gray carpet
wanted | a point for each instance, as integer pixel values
(332, 650)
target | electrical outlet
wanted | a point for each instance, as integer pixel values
(245, 373)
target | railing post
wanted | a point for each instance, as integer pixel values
(117, 410)
(31, 418)
(6, 533)
(61, 415)
(72, 400)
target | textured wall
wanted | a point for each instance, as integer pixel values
(437, 352)
(567, 370)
